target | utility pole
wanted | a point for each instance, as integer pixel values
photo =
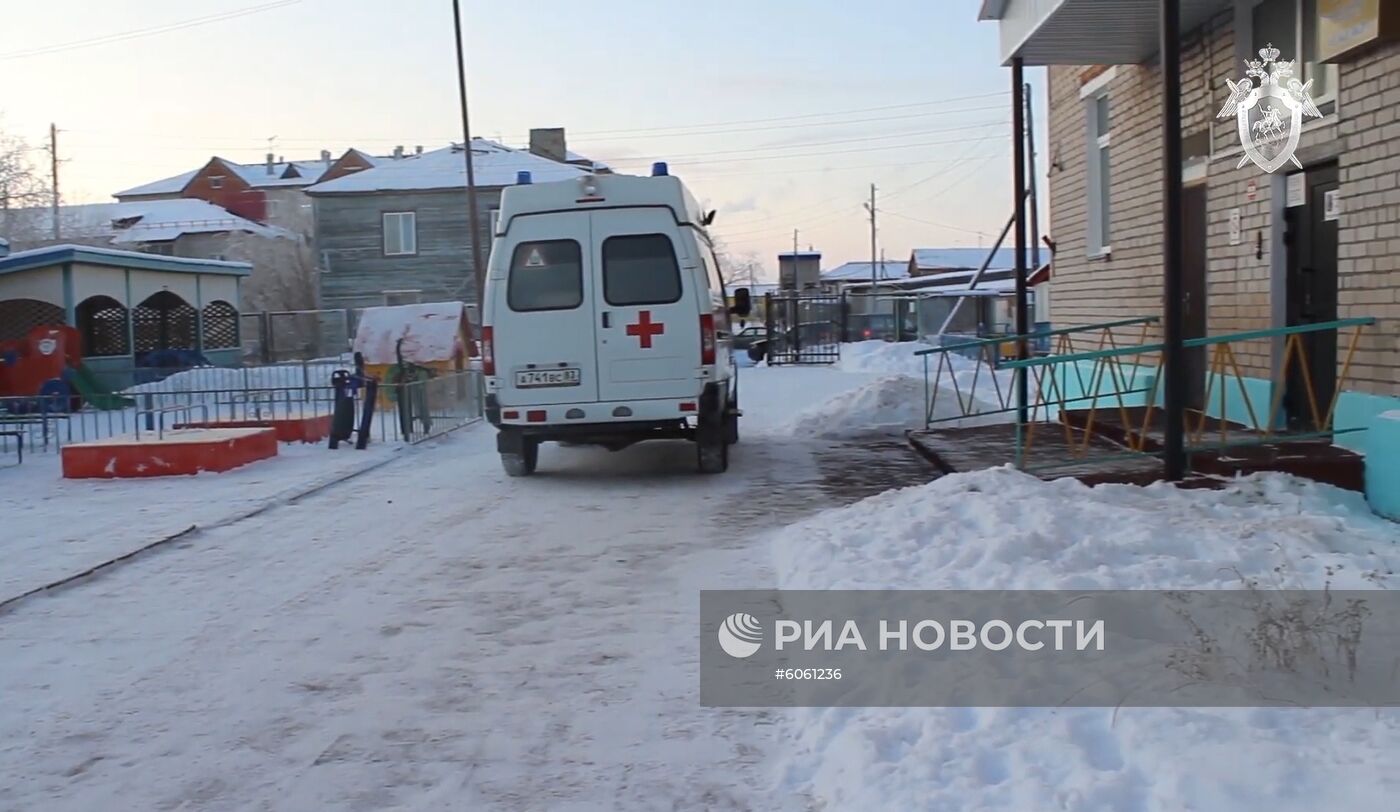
(478, 268)
(53, 170)
(1173, 354)
(874, 268)
(794, 261)
(1018, 128)
(1035, 207)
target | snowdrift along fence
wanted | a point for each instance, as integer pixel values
(410, 412)
(1229, 412)
(973, 374)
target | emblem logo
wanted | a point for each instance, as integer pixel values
(1270, 115)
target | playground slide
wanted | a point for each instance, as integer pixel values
(85, 383)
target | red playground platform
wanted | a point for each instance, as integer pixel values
(179, 451)
(312, 429)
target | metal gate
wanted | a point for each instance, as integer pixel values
(803, 328)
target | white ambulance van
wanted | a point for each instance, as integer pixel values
(605, 320)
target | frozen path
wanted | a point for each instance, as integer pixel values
(431, 635)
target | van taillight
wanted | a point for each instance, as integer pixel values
(707, 339)
(488, 350)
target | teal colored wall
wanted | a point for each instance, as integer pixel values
(116, 372)
(1378, 415)
(113, 371)
(1080, 382)
(1383, 463)
(224, 358)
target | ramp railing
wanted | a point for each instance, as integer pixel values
(1248, 410)
(972, 379)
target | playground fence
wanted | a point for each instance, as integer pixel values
(405, 413)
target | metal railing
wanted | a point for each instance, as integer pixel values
(429, 408)
(155, 417)
(1120, 366)
(433, 407)
(962, 366)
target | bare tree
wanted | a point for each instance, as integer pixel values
(743, 271)
(22, 185)
(284, 271)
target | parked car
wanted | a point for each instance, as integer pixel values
(746, 337)
(879, 327)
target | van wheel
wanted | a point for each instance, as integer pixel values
(712, 455)
(731, 424)
(522, 464)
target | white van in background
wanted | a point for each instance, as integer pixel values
(605, 320)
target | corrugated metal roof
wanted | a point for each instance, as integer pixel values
(494, 164)
(962, 258)
(860, 271)
(253, 174)
(58, 254)
(137, 221)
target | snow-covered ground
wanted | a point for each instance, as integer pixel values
(55, 527)
(1000, 529)
(432, 635)
(429, 635)
(898, 398)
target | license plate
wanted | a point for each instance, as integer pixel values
(533, 378)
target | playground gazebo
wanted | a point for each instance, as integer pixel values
(130, 309)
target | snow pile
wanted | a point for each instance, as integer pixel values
(1000, 529)
(314, 374)
(890, 401)
(885, 356)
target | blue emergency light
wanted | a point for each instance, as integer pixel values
(523, 178)
(659, 170)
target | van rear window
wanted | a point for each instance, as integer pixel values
(640, 269)
(546, 275)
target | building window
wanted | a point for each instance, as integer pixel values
(216, 181)
(1099, 178)
(400, 233)
(1292, 27)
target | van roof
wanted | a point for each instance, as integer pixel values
(615, 191)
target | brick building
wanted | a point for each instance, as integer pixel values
(1243, 253)
(1261, 250)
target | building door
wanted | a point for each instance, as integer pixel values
(1311, 239)
(1193, 313)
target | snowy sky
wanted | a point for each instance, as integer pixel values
(779, 114)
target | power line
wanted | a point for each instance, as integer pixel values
(705, 173)
(801, 145)
(795, 116)
(684, 162)
(626, 135)
(122, 36)
(932, 223)
(844, 210)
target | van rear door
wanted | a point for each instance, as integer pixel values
(647, 317)
(544, 331)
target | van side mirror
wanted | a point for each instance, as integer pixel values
(743, 304)
(709, 217)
